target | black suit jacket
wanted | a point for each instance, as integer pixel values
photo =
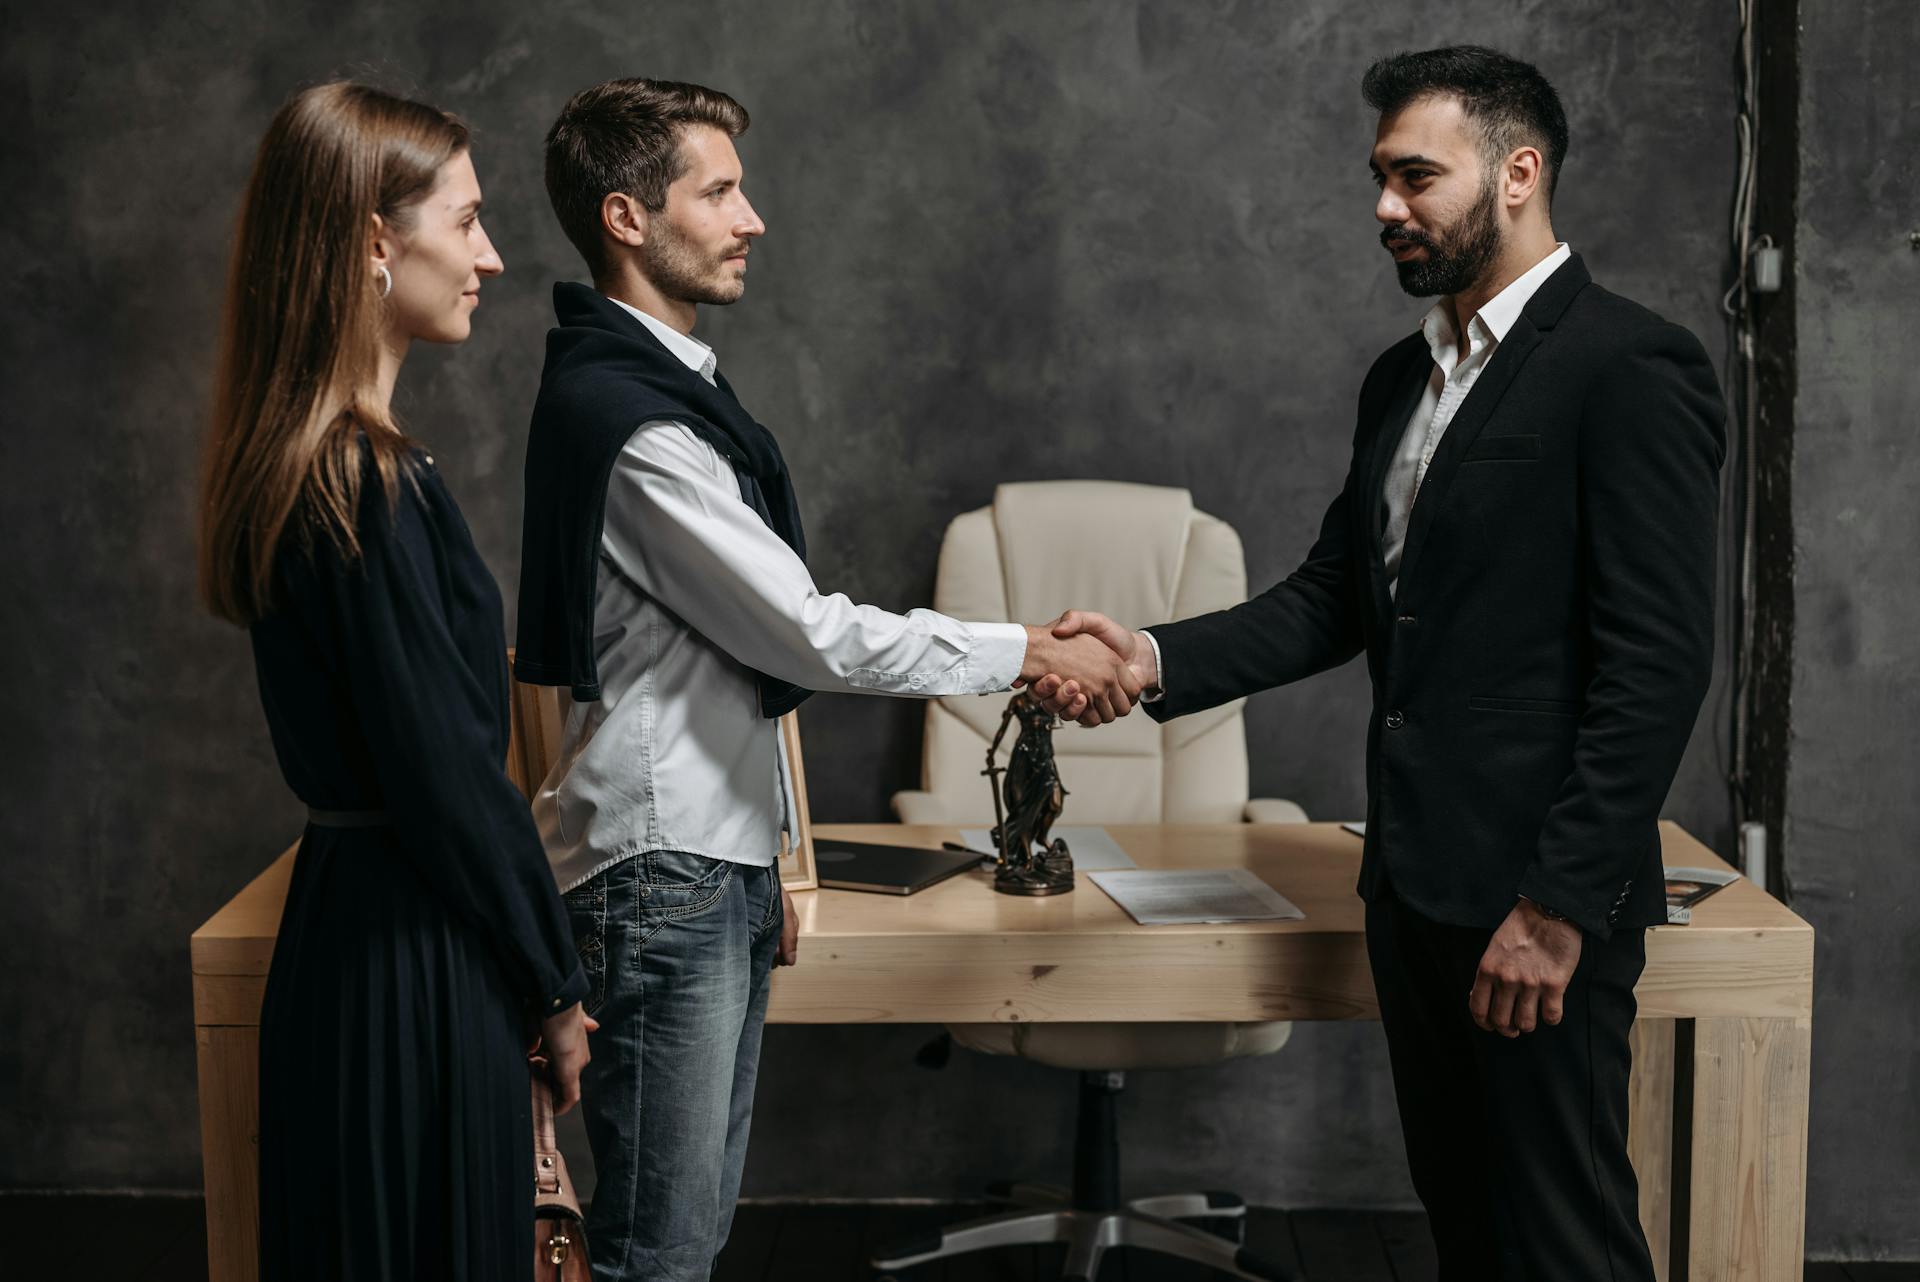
(1538, 674)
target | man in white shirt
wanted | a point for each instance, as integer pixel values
(666, 805)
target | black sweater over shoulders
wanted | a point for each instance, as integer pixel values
(605, 376)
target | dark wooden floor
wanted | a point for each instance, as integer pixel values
(833, 1243)
(89, 1238)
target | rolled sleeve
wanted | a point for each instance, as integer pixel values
(998, 651)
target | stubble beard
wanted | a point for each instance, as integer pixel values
(1456, 260)
(680, 270)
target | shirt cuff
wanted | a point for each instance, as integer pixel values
(1159, 673)
(999, 652)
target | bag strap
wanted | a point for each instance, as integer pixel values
(552, 1189)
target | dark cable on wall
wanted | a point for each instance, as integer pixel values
(1757, 266)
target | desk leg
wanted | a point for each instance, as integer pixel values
(1650, 1134)
(1749, 1186)
(230, 1149)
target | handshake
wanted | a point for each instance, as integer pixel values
(1085, 667)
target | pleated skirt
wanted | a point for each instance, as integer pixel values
(395, 1127)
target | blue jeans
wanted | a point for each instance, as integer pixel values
(677, 948)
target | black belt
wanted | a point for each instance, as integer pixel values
(348, 818)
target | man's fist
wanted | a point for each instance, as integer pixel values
(1524, 973)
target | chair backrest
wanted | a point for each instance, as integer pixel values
(1139, 553)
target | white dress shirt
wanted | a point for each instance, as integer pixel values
(696, 594)
(1452, 378)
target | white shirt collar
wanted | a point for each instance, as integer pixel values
(1504, 308)
(1496, 317)
(692, 353)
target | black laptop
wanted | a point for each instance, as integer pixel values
(885, 870)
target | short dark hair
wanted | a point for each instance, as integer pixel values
(1509, 100)
(624, 135)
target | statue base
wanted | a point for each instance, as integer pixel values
(1048, 874)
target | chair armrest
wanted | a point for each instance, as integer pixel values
(1271, 810)
(917, 807)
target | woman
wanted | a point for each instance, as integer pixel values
(422, 926)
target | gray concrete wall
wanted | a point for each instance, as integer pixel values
(1852, 808)
(1114, 240)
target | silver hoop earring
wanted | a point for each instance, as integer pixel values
(386, 279)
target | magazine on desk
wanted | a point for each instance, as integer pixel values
(1688, 886)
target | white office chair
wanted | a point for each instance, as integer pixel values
(1141, 554)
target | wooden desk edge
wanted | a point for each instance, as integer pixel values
(237, 940)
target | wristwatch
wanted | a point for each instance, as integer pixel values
(1551, 914)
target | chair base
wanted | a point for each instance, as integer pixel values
(1091, 1219)
(1222, 1214)
(1089, 1235)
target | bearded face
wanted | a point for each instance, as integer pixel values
(1448, 257)
(697, 244)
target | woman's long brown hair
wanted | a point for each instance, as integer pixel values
(300, 346)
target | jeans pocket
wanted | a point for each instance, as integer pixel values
(776, 903)
(586, 906)
(678, 883)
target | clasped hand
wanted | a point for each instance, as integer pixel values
(1085, 667)
(563, 1038)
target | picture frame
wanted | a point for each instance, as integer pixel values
(797, 868)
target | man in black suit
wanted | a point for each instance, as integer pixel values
(1524, 550)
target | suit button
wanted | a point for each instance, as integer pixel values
(1396, 719)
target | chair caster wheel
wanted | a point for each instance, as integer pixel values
(1230, 1228)
(1229, 1224)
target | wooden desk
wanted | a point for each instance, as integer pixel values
(1741, 974)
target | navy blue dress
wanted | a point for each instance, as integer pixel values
(395, 1138)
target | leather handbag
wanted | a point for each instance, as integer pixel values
(559, 1239)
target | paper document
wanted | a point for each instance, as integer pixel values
(1161, 897)
(1092, 848)
(1358, 828)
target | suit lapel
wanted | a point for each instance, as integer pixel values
(1409, 385)
(1467, 422)
(1538, 317)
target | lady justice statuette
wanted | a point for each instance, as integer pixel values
(1034, 799)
